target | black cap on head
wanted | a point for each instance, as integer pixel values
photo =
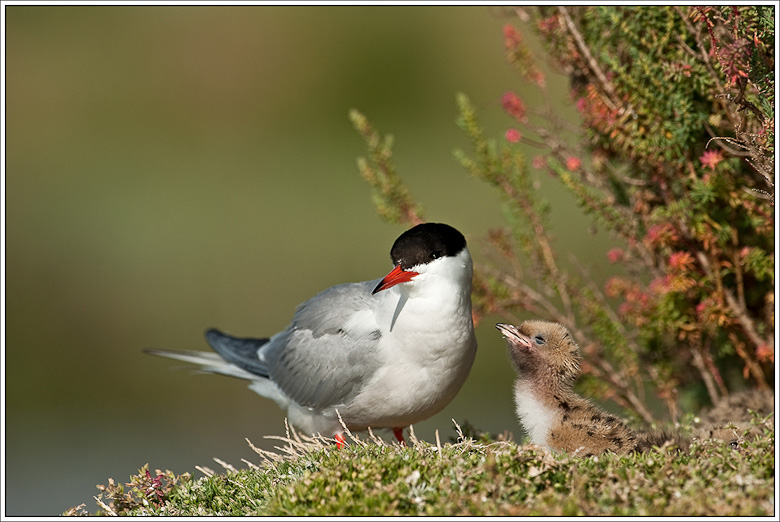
(425, 243)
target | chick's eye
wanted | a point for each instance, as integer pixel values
(539, 340)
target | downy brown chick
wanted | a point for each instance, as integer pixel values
(547, 362)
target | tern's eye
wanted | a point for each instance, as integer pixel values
(538, 339)
(436, 254)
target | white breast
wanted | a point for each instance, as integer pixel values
(536, 418)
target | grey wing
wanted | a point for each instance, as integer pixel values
(328, 311)
(330, 350)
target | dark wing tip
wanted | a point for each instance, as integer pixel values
(213, 335)
(239, 351)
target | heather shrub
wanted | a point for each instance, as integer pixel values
(674, 156)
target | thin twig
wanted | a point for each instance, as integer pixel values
(110, 512)
(225, 465)
(709, 383)
(592, 63)
(739, 312)
(206, 471)
(540, 235)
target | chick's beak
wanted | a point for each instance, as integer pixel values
(512, 334)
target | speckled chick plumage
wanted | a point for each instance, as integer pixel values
(547, 361)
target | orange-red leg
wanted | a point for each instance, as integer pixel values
(399, 435)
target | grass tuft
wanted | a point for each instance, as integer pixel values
(311, 476)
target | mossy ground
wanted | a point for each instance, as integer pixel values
(481, 476)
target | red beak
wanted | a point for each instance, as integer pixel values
(397, 275)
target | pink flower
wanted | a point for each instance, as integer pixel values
(548, 25)
(513, 105)
(538, 162)
(615, 255)
(655, 233)
(681, 261)
(614, 286)
(765, 352)
(513, 135)
(660, 285)
(511, 37)
(711, 158)
(538, 78)
(573, 163)
(662, 234)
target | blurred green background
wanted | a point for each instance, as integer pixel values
(170, 169)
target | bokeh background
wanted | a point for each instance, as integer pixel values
(170, 169)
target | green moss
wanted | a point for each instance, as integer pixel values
(487, 477)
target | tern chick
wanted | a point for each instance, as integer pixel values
(547, 362)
